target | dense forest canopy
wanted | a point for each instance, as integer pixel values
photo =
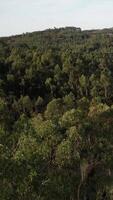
(56, 115)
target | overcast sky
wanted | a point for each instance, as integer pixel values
(20, 16)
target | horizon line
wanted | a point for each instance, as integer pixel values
(53, 28)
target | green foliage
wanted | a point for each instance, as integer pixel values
(56, 115)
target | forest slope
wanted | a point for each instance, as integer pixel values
(56, 115)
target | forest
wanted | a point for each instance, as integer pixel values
(56, 115)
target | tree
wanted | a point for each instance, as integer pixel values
(69, 101)
(105, 80)
(54, 109)
(25, 104)
(83, 85)
(39, 104)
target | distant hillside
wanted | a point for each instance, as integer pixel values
(56, 37)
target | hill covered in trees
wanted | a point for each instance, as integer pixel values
(56, 115)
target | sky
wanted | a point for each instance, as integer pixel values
(21, 16)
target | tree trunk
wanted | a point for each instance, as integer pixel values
(78, 191)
